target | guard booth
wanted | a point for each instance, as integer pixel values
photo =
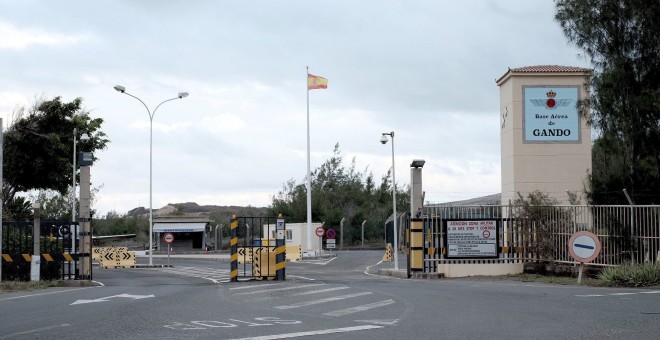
(191, 233)
(254, 257)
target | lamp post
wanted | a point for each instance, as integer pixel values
(383, 140)
(83, 138)
(181, 95)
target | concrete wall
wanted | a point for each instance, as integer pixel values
(489, 269)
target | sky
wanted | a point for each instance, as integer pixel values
(423, 69)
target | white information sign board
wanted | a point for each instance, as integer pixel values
(471, 239)
(330, 243)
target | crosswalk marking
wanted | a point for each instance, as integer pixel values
(281, 289)
(322, 290)
(361, 308)
(316, 302)
(212, 274)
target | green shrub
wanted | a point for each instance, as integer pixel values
(640, 275)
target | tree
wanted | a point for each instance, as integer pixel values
(622, 39)
(542, 222)
(38, 146)
(339, 192)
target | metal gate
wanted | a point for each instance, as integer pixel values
(257, 248)
(59, 250)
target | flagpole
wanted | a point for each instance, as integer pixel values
(309, 176)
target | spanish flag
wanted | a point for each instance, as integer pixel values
(316, 82)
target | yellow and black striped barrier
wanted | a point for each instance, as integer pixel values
(48, 257)
(416, 245)
(233, 273)
(280, 260)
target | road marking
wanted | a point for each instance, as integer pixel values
(322, 290)
(361, 308)
(255, 286)
(105, 299)
(41, 294)
(320, 262)
(280, 289)
(309, 333)
(316, 302)
(302, 277)
(380, 322)
(619, 294)
(366, 271)
(34, 331)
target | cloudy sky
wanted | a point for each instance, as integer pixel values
(423, 69)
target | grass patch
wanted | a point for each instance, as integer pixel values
(15, 286)
(639, 275)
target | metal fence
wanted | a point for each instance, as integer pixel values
(628, 234)
(57, 247)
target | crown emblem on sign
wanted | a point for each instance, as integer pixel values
(551, 94)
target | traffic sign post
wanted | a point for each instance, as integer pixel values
(168, 238)
(584, 247)
(320, 232)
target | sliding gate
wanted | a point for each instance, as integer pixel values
(59, 250)
(257, 248)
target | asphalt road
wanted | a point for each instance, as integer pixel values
(336, 298)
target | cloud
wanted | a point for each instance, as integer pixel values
(12, 37)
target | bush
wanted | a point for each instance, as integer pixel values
(641, 275)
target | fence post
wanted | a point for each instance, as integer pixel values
(632, 226)
(341, 234)
(35, 263)
(365, 221)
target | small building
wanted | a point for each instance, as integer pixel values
(190, 232)
(296, 234)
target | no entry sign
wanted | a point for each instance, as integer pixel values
(584, 246)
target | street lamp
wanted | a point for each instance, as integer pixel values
(181, 95)
(383, 140)
(84, 137)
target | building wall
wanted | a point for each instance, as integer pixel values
(552, 168)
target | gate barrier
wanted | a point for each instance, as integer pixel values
(253, 255)
(57, 242)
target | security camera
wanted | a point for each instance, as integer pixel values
(383, 139)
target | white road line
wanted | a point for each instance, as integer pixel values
(316, 302)
(653, 292)
(280, 289)
(302, 277)
(619, 294)
(589, 295)
(41, 294)
(34, 331)
(322, 290)
(310, 333)
(366, 271)
(362, 308)
(256, 286)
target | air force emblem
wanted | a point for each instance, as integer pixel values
(550, 103)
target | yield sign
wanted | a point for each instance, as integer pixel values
(105, 299)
